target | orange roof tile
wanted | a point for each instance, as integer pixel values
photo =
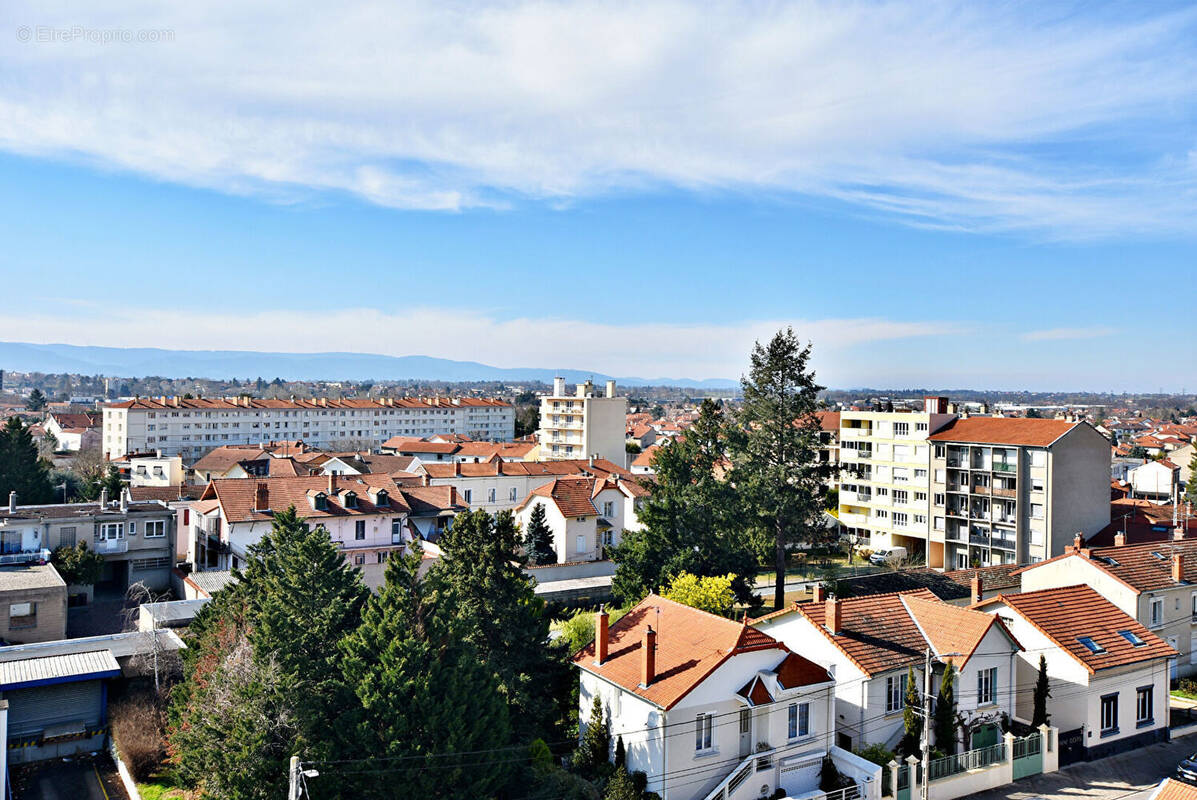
(952, 629)
(1005, 430)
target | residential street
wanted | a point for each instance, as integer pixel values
(1127, 775)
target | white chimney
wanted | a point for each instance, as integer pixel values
(558, 387)
(12, 502)
(124, 500)
(610, 388)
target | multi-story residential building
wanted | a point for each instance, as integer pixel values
(586, 515)
(584, 425)
(368, 516)
(885, 484)
(136, 538)
(191, 427)
(1014, 491)
(870, 644)
(829, 438)
(708, 707)
(1108, 674)
(156, 471)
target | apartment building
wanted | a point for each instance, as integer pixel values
(134, 537)
(885, 484)
(584, 424)
(191, 427)
(1014, 491)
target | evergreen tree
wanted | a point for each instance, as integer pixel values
(776, 452)
(538, 540)
(594, 751)
(1043, 693)
(1191, 488)
(480, 575)
(691, 522)
(912, 719)
(77, 565)
(112, 483)
(36, 401)
(945, 712)
(425, 693)
(621, 787)
(621, 754)
(21, 469)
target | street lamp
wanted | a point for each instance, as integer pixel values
(925, 783)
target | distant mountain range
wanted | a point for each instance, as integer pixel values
(128, 362)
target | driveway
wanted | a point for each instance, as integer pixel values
(76, 779)
(1128, 776)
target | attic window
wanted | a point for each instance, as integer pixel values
(1133, 638)
(350, 499)
(1093, 646)
(1160, 556)
(382, 498)
(1109, 561)
(320, 502)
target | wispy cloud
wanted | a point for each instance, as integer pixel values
(949, 114)
(647, 350)
(1058, 334)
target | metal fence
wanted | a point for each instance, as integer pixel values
(971, 759)
(1028, 746)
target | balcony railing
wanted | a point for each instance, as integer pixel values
(26, 557)
(1004, 544)
(1000, 467)
(112, 546)
(999, 492)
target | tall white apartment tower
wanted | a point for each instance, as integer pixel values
(583, 424)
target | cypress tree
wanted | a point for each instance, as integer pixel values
(945, 712)
(424, 692)
(594, 751)
(21, 469)
(538, 540)
(911, 717)
(621, 787)
(1043, 692)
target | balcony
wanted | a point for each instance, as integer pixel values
(978, 539)
(112, 546)
(957, 463)
(1002, 467)
(998, 492)
(851, 454)
(31, 556)
(1004, 544)
(855, 433)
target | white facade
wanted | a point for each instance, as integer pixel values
(156, 471)
(586, 424)
(192, 427)
(586, 537)
(1154, 479)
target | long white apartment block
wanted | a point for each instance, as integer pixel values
(191, 427)
(584, 424)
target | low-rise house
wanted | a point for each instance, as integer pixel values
(436, 449)
(642, 464)
(33, 603)
(961, 587)
(73, 432)
(1154, 479)
(156, 470)
(586, 515)
(872, 643)
(136, 539)
(1108, 674)
(708, 707)
(1155, 583)
(502, 485)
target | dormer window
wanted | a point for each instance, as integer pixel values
(350, 499)
(382, 498)
(320, 501)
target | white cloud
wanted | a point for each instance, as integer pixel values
(641, 350)
(958, 115)
(1060, 334)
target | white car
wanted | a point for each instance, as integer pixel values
(888, 556)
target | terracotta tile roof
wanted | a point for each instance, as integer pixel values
(645, 457)
(1143, 521)
(1148, 566)
(951, 629)
(601, 468)
(229, 403)
(429, 501)
(691, 644)
(237, 496)
(572, 496)
(906, 580)
(829, 421)
(1003, 430)
(410, 446)
(755, 692)
(993, 579)
(83, 421)
(221, 459)
(1068, 613)
(167, 494)
(798, 671)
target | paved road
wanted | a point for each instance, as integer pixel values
(1127, 776)
(67, 780)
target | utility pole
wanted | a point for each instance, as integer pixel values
(925, 783)
(293, 778)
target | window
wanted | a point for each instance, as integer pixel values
(920, 427)
(351, 500)
(900, 518)
(22, 615)
(382, 557)
(920, 497)
(798, 723)
(901, 429)
(1037, 510)
(1036, 484)
(1109, 714)
(608, 508)
(359, 560)
(359, 529)
(491, 495)
(702, 732)
(1133, 638)
(939, 499)
(513, 494)
(893, 694)
(132, 528)
(66, 538)
(1091, 645)
(941, 451)
(155, 529)
(987, 687)
(320, 501)
(112, 530)
(1144, 705)
(901, 497)
(468, 495)
(1157, 611)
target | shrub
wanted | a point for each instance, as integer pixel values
(881, 757)
(137, 728)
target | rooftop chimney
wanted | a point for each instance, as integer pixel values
(610, 388)
(1120, 539)
(261, 497)
(1077, 541)
(424, 479)
(820, 594)
(1178, 533)
(975, 588)
(332, 483)
(12, 502)
(124, 500)
(104, 497)
(833, 620)
(600, 636)
(558, 387)
(648, 671)
(1178, 567)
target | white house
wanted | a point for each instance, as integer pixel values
(711, 708)
(1108, 674)
(156, 471)
(497, 485)
(1154, 479)
(73, 431)
(587, 515)
(871, 643)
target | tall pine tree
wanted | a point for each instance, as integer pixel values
(1042, 694)
(776, 451)
(945, 711)
(429, 702)
(912, 720)
(538, 539)
(21, 469)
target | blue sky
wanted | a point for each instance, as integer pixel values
(945, 195)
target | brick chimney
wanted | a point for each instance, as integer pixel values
(820, 594)
(600, 636)
(424, 481)
(332, 483)
(648, 664)
(1120, 539)
(261, 497)
(975, 589)
(1077, 541)
(833, 615)
(1178, 533)
(1178, 567)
